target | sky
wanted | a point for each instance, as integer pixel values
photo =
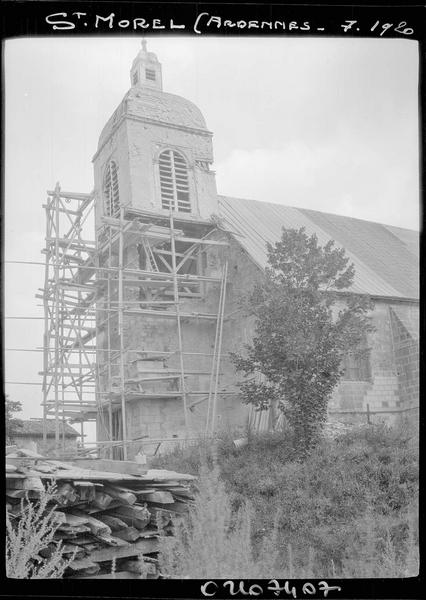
(327, 124)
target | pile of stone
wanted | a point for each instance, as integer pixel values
(110, 513)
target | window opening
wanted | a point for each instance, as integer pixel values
(356, 364)
(111, 191)
(174, 183)
(150, 74)
(135, 78)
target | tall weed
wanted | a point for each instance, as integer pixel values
(32, 533)
(216, 541)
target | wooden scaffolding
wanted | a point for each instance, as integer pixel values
(143, 265)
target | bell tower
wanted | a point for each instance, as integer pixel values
(146, 70)
(155, 152)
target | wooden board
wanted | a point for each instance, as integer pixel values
(164, 475)
(69, 531)
(86, 475)
(102, 500)
(141, 492)
(33, 483)
(97, 527)
(16, 493)
(113, 522)
(134, 521)
(128, 534)
(163, 497)
(14, 484)
(125, 496)
(75, 520)
(177, 507)
(146, 533)
(111, 540)
(136, 566)
(126, 467)
(94, 509)
(86, 565)
(135, 511)
(140, 547)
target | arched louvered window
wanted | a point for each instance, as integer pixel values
(174, 183)
(111, 192)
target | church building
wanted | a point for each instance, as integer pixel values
(174, 260)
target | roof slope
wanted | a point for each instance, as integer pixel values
(34, 427)
(385, 258)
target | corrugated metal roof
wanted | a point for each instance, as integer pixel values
(384, 257)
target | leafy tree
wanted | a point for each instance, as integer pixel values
(12, 425)
(304, 328)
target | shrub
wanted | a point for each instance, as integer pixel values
(358, 485)
(189, 458)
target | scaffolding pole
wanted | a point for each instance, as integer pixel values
(121, 334)
(85, 293)
(178, 322)
(215, 369)
(57, 300)
(65, 251)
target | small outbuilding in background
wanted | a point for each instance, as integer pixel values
(30, 436)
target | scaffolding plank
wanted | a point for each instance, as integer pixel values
(83, 245)
(70, 195)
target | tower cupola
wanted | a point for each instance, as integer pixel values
(155, 151)
(146, 70)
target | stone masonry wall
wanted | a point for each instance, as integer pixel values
(394, 369)
(404, 321)
(394, 373)
(390, 386)
(36, 444)
(164, 417)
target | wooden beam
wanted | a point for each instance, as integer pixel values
(71, 195)
(168, 253)
(201, 241)
(164, 313)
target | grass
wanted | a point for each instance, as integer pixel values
(349, 510)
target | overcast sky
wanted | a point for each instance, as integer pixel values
(328, 124)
